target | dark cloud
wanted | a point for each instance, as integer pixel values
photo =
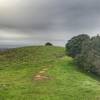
(49, 18)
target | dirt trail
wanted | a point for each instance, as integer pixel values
(41, 75)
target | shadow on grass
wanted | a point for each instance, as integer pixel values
(79, 69)
(90, 74)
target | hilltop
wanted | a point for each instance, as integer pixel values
(44, 73)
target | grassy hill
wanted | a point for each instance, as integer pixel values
(44, 73)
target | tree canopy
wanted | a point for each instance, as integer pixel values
(48, 44)
(86, 52)
(74, 45)
(89, 58)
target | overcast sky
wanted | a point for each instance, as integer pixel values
(34, 22)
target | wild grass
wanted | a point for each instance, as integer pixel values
(66, 82)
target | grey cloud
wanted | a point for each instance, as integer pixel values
(59, 14)
(49, 18)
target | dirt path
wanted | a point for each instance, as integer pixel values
(41, 75)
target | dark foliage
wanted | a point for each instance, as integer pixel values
(86, 52)
(74, 46)
(89, 59)
(48, 44)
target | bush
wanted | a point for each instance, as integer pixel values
(74, 46)
(48, 44)
(89, 59)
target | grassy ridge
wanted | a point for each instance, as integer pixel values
(19, 66)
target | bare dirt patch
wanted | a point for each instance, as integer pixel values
(41, 75)
(42, 72)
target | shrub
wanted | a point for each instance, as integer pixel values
(74, 46)
(89, 59)
(48, 44)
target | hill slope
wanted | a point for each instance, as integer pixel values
(44, 73)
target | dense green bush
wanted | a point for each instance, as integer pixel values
(74, 46)
(89, 59)
(48, 44)
(86, 52)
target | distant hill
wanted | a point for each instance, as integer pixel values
(3, 49)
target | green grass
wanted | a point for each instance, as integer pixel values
(19, 66)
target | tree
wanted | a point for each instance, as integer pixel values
(48, 44)
(89, 59)
(74, 46)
